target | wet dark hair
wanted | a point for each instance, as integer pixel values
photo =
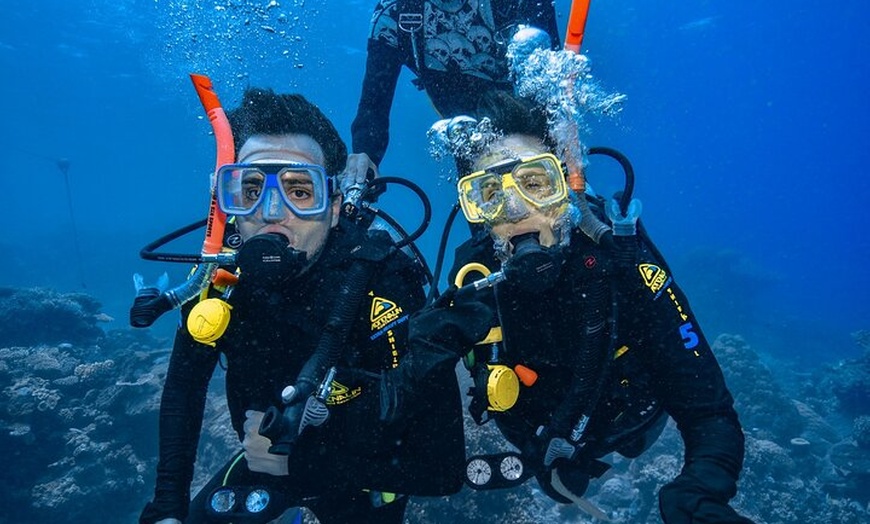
(509, 115)
(512, 115)
(263, 112)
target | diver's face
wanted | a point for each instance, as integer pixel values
(521, 217)
(306, 234)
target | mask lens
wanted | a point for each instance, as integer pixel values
(539, 181)
(480, 195)
(304, 189)
(240, 189)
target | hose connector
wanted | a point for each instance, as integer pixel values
(624, 224)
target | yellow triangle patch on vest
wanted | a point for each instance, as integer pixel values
(380, 307)
(654, 277)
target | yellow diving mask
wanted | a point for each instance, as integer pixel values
(539, 180)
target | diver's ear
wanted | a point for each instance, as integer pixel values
(336, 210)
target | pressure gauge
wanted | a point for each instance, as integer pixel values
(257, 501)
(478, 472)
(511, 467)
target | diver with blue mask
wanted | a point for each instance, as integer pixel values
(307, 313)
(579, 345)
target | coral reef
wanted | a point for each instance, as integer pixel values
(849, 381)
(765, 411)
(42, 316)
(73, 412)
(862, 338)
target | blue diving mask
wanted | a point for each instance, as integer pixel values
(303, 188)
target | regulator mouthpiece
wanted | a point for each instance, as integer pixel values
(532, 267)
(270, 259)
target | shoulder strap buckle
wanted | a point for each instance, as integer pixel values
(410, 22)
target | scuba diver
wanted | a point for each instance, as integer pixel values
(578, 346)
(456, 50)
(307, 319)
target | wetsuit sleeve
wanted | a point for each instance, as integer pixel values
(693, 390)
(370, 130)
(181, 413)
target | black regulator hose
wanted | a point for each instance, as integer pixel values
(383, 215)
(373, 186)
(442, 248)
(282, 425)
(149, 251)
(628, 190)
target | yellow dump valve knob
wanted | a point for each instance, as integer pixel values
(208, 320)
(502, 387)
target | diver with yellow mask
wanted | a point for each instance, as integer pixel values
(601, 341)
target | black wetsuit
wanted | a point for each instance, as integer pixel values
(660, 363)
(459, 58)
(272, 332)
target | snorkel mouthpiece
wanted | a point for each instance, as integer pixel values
(532, 266)
(269, 259)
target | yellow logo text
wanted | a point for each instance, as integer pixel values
(653, 276)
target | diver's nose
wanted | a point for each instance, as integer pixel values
(514, 206)
(273, 206)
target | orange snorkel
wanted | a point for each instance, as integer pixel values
(153, 301)
(573, 41)
(214, 229)
(576, 25)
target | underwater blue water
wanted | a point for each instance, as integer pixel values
(746, 123)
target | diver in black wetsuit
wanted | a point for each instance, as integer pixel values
(598, 344)
(455, 48)
(305, 277)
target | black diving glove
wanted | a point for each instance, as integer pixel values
(688, 500)
(454, 322)
(438, 336)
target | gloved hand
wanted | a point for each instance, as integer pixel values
(455, 322)
(356, 172)
(563, 485)
(686, 501)
(438, 336)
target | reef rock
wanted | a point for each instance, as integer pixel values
(74, 412)
(42, 316)
(765, 410)
(816, 429)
